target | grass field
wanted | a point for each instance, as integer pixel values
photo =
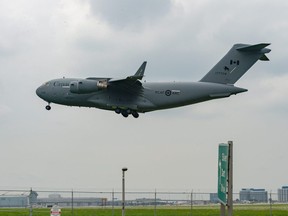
(239, 210)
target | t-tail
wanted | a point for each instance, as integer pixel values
(236, 62)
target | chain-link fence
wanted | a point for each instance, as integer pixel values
(36, 200)
(70, 199)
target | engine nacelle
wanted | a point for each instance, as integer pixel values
(86, 86)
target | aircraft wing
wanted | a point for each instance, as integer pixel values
(131, 79)
(129, 84)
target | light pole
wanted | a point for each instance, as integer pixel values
(123, 190)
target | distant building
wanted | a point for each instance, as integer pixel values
(283, 194)
(67, 201)
(214, 198)
(16, 199)
(147, 201)
(253, 195)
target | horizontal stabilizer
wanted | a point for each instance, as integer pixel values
(256, 47)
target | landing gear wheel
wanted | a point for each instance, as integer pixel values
(48, 107)
(118, 111)
(135, 114)
(124, 113)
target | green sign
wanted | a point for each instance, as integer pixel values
(222, 172)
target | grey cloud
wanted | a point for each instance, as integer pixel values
(124, 13)
(112, 38)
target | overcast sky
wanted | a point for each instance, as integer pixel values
(176, 149)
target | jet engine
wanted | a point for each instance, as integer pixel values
(86, 86)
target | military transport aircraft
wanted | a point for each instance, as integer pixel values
(130, 95)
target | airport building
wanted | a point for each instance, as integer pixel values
(57, 199)
(17, 199)
(253, 195)
(214, 198)
(283, 194)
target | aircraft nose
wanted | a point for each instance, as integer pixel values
(40, 92)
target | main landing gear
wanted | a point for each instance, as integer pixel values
(125, 113)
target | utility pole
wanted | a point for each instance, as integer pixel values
(30, 202)
(191, 204)
(123, 190)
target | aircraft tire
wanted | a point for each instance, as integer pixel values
(135, 114)
(118, 111)
(124, 113)
(48, 107)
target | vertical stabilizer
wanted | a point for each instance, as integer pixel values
(236, 62)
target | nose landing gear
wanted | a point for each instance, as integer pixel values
(48, 107)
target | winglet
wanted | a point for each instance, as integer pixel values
(140, 72)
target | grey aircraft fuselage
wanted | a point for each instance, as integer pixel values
(154, 96)
(132, 96)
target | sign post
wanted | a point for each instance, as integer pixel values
(225, 174)
(230, 179)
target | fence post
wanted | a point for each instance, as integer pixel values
(30, 202)
(113, 202)
(155, 204)
(72, 203)
(270, 200)
(191, 203)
